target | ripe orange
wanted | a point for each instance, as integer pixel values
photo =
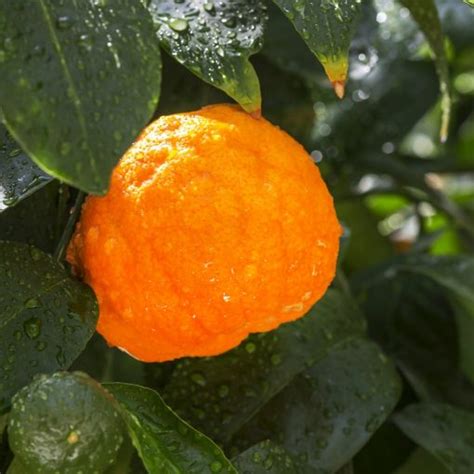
(216, 225)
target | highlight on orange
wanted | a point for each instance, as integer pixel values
(217, 224)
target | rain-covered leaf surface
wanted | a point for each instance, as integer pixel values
(444, 431)
(265, 457)
(19, 176)
(46, 318)
(214, 39)
(327, 26)
(218, 395)
(426, 15)
(331, 410)
(73, 92)
(164, 441)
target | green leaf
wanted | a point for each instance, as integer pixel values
(469, 2)
(219, 394)
(422, 462)
(455, 274)
(265, 457)
(411, 317)
(46, 318)
(327, 26)
(330, 411)
(164, 441)
(444, 431)
(386, 450)
(285, 48)
(426, 15)
(19, 176)
(214, 40)
(78, 86)
(38, 219)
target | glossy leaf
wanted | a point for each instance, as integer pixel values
(19, 176)
(73, 91)
(331, 410)
(218, 395)
(214, 40)
(327, 26)
(265, 458)
(164, 441)
(426, 14)
(37, 220)
(46, 318)
(413, 320)
(444, 431)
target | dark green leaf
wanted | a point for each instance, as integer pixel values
(214, 40)
(164, 441)
(38, 219)
(325, 416)
(285, 48)
(426, 15)
(444, 431)
(46, 318)
(421, 462)
(19, 176)
(413, 320)
(386, 450)
(327, 26)
(218, 395)
(78, 81)
(265, 457)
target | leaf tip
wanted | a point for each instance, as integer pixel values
(256, 114)
(339, 88)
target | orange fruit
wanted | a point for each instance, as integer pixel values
(216, 225)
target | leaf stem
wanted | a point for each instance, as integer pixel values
(68, 229)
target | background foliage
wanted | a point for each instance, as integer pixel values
(379, 376)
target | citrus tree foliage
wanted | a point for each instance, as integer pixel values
(78, 82)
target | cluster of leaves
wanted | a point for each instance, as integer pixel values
(379, 376)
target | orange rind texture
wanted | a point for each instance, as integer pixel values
(216, 225)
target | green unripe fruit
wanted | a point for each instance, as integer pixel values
(66, 423)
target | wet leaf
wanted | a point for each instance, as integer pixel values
(46, 318)
(19, 176)
(327, 26)
(65, 422)
(73, 92)
(164, 441)
(444, 431)
(331, 410)
(425, 13)
(265, 457)
(214, 40)
(218, 395)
